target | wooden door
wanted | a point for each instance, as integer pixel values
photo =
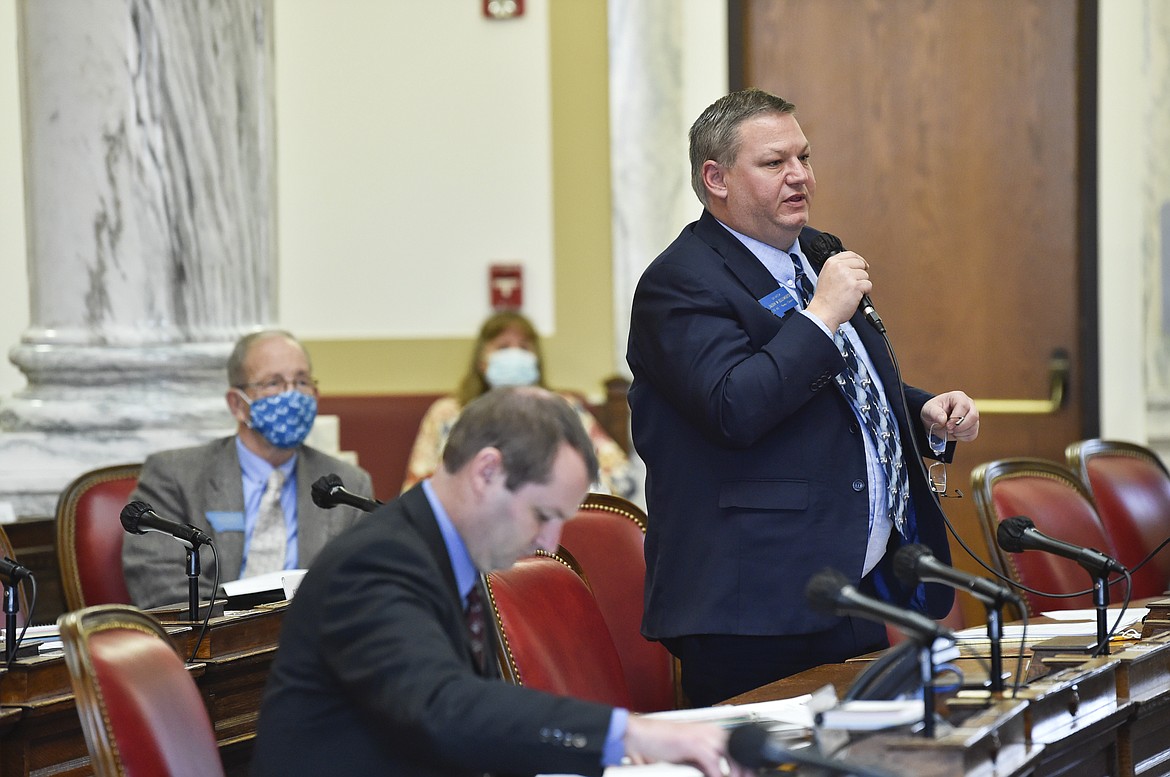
(952, 142)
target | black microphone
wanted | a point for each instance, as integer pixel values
(751, 746)
(830, 591)
(914, 563)
(1017, 534)
(139, 518)
(328, 492)
(12, 571)
(825, 245)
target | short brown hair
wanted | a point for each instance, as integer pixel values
(527, 425)
(715, 134)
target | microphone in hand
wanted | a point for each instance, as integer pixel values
(328, 492)
(825, 245)
(139, 518)
(915, 563)
(1018, 533)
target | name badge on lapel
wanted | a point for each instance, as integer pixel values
(778, 302)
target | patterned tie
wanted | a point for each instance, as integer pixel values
(266, 550)
(856, 384)
(477, 627)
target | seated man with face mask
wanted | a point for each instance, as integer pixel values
(507, 353)
(249, 492)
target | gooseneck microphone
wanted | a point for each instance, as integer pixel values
(1017, 534)
(830, 591)
(825, 245)
(750, 745)
(139, 518)
(914, 563)
(328, 492)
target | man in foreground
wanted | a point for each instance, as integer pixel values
(377, 668)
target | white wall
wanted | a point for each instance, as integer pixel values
(414, 147)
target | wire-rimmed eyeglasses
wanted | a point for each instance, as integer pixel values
(937, 437)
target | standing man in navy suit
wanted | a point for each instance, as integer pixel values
(759, 400)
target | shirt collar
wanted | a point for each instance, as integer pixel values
(778, 261)
(257, 469)
(466, 574)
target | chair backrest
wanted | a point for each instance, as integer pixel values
(141, 712)
(89, 536)
(606, 537)
(1131, 487)
(552, 634)
(1060, 506)
(6, 551)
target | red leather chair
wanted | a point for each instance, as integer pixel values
(141, 712)
(89, 536)
(606, 537)
(1060, 506)
(552, 634)
(1131, 487)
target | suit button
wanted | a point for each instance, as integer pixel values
(854, 428)
(858, 485)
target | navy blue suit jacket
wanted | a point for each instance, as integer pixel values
(756, 468)
(374, 674)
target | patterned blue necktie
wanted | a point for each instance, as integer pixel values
(858, 388)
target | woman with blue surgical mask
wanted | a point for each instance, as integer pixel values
(507, 353)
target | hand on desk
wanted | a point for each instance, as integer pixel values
(702, 745)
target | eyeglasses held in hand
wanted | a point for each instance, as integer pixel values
(937, 437)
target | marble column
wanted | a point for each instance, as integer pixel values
(149, 183)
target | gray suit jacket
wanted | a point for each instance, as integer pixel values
(185, 485)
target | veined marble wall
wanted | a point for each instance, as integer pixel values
(667, 62)
(1155, 238)
(149, 163)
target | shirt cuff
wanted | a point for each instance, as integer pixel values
(615, 740)
(818, 322)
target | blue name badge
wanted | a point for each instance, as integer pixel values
(779, 302)
(224, 521)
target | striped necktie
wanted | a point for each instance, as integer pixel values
(857, 385)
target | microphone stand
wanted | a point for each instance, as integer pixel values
(10, 608)
(1101, 602)
(995, 637)
(193, 583)
(926, 662)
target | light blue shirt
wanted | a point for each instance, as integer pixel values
(255, 471)
(779, 263)
(465, 578)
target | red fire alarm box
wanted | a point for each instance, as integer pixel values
(506, 286)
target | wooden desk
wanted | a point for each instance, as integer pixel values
(40, 732)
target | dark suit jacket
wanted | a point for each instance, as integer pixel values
(186, 484)
(374, 673)
(756, 469)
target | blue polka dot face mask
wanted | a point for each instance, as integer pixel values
(284, 420)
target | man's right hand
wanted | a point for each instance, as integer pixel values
(841, 284)
(702, 745)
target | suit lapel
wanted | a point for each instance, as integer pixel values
(742, 263)
(225, 492)
(419, 514)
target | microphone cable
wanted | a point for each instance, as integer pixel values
(32, 607)
(210, 603)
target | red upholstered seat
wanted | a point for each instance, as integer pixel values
(1060, 506)
(141, 712)
(1131, 487)
(89, 536)
(606, 537)
(553, 636)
